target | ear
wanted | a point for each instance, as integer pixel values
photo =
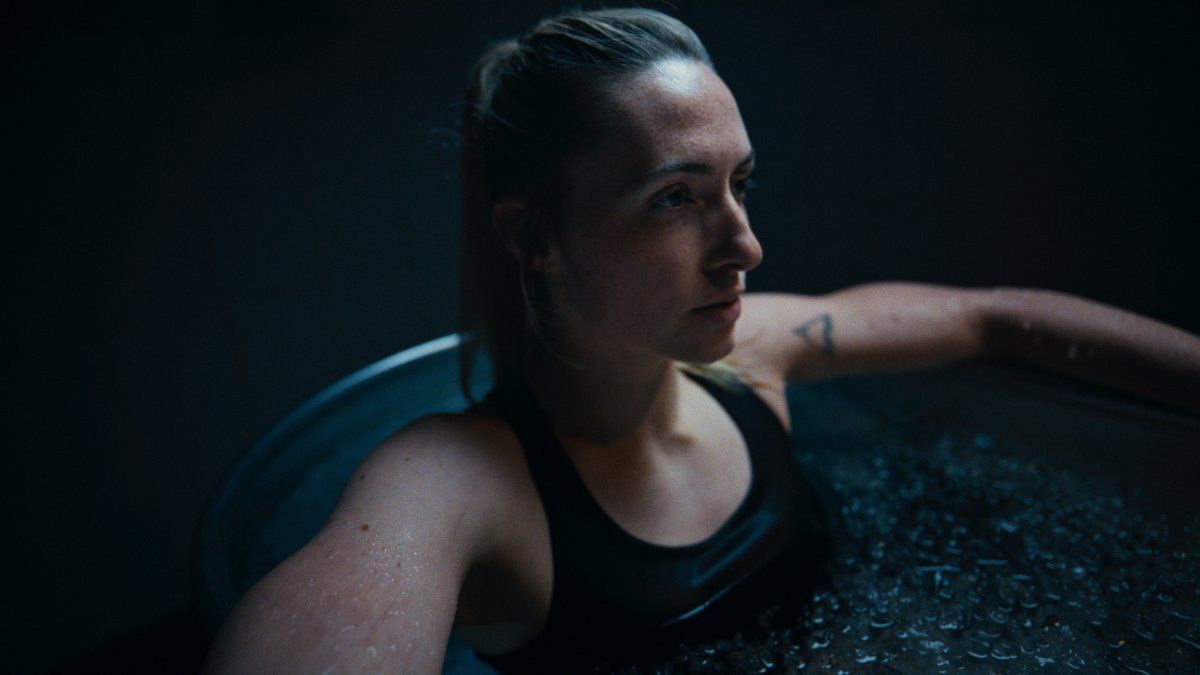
(509, 217)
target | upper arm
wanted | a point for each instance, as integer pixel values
(870, 328)
(376, 589)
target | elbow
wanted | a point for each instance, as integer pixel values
(1019, 324)
(1002, 322)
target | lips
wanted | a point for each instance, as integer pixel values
(721, 303)
(726, 311)
(724, 301)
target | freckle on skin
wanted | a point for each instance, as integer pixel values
(364, 527)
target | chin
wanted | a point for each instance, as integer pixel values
(709, 351)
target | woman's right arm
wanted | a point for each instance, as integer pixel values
(377, 588)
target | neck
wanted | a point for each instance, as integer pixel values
(611, 399)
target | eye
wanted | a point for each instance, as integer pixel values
(741, 187)
(673, 199)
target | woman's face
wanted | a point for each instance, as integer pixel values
(655, 239)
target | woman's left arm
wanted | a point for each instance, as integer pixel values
(892, 327)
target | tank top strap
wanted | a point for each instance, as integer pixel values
(564, 495)
(558, 482)
(768, 442)
(611, 588)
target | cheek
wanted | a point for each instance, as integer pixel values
(637, 282)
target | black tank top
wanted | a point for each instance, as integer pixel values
(618, 599)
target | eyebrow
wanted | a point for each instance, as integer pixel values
(684, 166)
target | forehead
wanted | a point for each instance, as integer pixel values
(677, 110)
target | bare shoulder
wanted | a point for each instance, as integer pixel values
(377, 587)
(443, 457)
(442, 467)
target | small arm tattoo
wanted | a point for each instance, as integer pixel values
(817, 332)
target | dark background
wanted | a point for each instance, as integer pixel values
(219, 207)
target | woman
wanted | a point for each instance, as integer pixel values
(602, 500)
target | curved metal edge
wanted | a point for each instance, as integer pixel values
(212, 590)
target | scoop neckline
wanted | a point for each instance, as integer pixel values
(733, 520)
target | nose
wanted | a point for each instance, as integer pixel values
(736, 245)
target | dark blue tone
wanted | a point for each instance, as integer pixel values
(224, 206)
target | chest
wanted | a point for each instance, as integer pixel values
(677, 495)
(676, 492)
